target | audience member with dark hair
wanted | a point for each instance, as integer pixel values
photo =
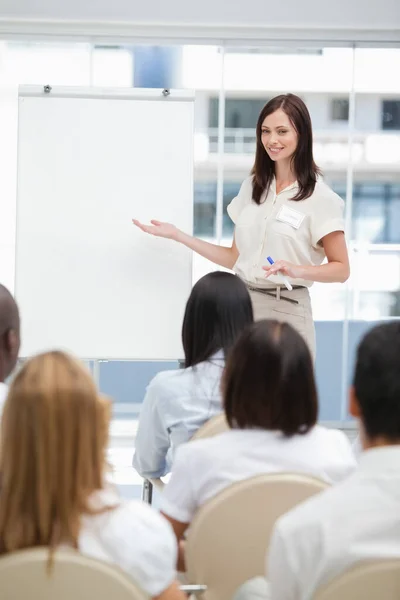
(271, 405)
(358, 520)
(179, 402)
(9, 339)
(53, 443)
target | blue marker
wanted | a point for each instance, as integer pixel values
(282, 277)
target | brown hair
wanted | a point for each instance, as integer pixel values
(53, 439)
(303, 162)
(269, 380)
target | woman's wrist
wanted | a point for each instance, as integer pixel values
(301, 272)
(180, 236)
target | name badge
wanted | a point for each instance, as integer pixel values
(290, 216)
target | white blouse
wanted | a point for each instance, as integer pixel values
(133, 536)
(204, 467)
(283, 229)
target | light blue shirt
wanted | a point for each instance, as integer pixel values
(176, 405)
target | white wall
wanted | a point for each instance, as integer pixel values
(8, 183)
(251, 17)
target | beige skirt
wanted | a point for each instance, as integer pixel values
(298, 315)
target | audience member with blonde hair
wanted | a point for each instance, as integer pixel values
(271, 406)
(53, 441)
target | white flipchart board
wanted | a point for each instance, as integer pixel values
(87, 280)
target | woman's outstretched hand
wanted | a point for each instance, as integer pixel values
(158, 228)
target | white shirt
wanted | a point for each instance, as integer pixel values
(283, 229)
(357, 446)
(133, 536)
(205, 467)
(357, 520)
(3, 396)
(176, 405)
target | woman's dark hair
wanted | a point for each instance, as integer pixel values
(217, 311)
(269, 380)
(303, 162)
(377, 381)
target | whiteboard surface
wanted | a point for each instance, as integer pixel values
(87, 280)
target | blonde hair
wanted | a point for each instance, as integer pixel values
(53, 440)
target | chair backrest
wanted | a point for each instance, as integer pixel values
(213, 426)
(228, 539)
(366, 581)
(24, 574)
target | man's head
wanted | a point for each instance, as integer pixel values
(9, 333)
(375, 394)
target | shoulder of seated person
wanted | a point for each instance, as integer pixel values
(172, 377)
(166, 379)
(139, 515)
(334, 436)
(322, 430)
(320, 508)
(205, 446)
(303, 516)
(130, 530)
(144, 512)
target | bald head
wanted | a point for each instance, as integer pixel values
(9, 333)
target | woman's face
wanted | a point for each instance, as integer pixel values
(278, 136)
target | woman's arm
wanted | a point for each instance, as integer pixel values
(220, 255)
(337, 269)
(152, 439)
(171, 593)
(179, 529)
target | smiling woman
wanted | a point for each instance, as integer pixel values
(278, 140)
(284, 210)
(284, 147)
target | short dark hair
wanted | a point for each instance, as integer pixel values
(218, 309)
(9, 314)
(303, 161)
(377, 381)
(9, 333)
(269, 380)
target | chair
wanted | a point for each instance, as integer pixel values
(213, 426)
(366, 581)
(24, 575)
(228, 538)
